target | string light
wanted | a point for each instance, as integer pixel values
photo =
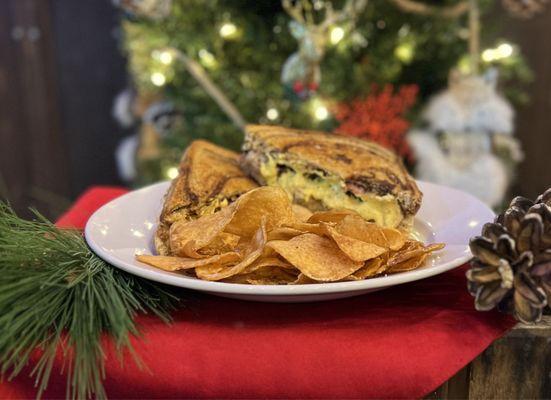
(502, 51)
(166, 57)
(207, 58)
(158, 78)
(272, 114)
(228, 30)
(404, 52)
(172, 172)
(321, 112)
(336, 34)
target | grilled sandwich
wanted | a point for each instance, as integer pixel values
(209, 179)
(323, 171)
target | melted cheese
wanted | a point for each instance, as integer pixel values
(331, 191)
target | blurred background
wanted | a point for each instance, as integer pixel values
(109, 92)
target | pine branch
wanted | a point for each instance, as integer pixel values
(58, 296)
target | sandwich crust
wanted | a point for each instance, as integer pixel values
(364, 167)
(209, 179)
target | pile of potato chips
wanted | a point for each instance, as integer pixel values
(263, 239)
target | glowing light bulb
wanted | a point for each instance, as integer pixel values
(272, 114)
(158, 79)
(227, 30)
(488, 55)
(172, 172)
(504, 50)
(321, 112)
(166, 57)
(207, 58)
(404, 52)
(336, 35)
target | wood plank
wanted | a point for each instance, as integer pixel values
(533, 125)
(514, 367)
(13, 166)
(92, 71)
(46, 154)
(518, 366)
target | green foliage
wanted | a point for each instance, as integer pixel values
(59, 297)
(387, 45)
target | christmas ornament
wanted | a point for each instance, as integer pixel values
(154, 9)
(380, 117)
(511, 269)
(122, 108)
(301, 71)
(465, 124)
(524, 8)
(153, 117)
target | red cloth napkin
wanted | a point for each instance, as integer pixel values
(396, 343)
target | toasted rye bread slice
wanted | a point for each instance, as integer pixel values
(209, 179)
(362, 168)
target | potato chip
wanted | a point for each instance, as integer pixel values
(168, 263)
(222, 243)
(412, 249)
(358, 228)
(306, 227)
(187, 237)
(262, 262)
(283, 233)
(355, 249)
(434, 247)
(371, 268)
(215, 272)
(334, 216)
(303, 280)
(409, 264)
(269, 202)
(266, 275)
(317, 257)
(301, 213)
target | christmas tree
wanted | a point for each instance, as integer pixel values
(203, 68)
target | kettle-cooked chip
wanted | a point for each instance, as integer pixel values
(303, 280)
(262, 262)
(169, 263)
(187, 237)
(355, 249)
(358, 228)
(283, 233)
(223, 242)
(371, 268)
(317, 257)
(335, 216)
(301, 213)
(409, 264)
(267, 202)
(413, 249)
(266, 275)
(306, 227)
(213, 272)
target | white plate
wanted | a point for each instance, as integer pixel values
(126, 226)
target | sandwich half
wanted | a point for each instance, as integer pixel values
(323, 171)
(209, 179)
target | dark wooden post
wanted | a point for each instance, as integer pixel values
(33, 157)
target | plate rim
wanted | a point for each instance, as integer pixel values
(173, 279)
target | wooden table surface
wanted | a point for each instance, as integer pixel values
(517, 366)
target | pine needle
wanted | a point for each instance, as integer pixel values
(59, 297)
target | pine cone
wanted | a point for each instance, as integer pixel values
(511, 268)
(524, 8)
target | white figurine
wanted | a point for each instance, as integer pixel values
(465, 123)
